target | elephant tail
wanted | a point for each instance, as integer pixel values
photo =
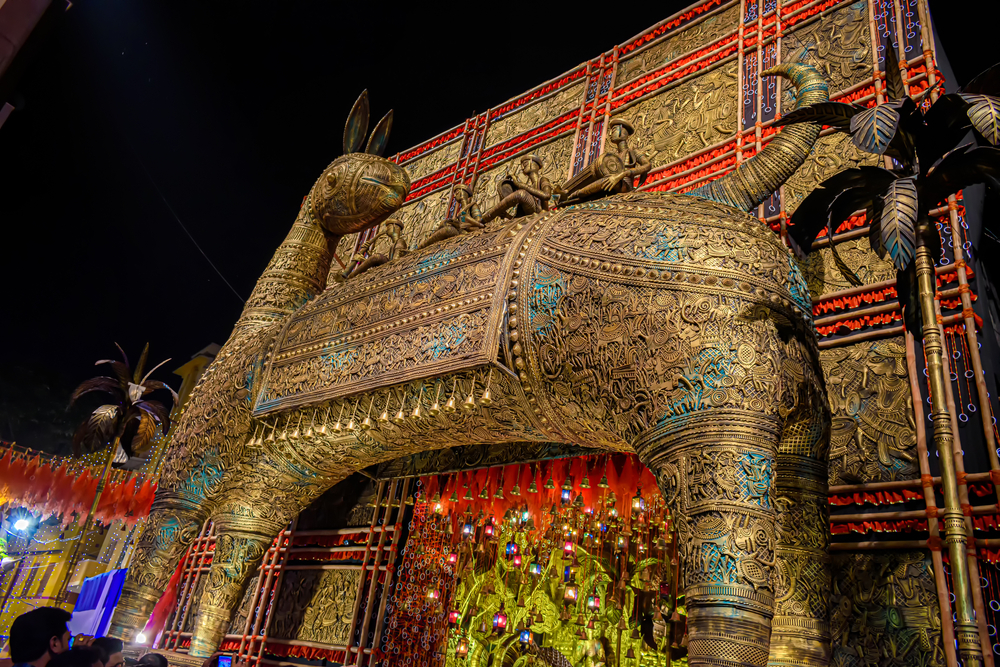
(755, 180)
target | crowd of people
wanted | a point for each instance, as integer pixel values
(41, 638)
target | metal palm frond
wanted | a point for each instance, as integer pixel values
(130, 422)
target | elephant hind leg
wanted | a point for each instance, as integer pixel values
(800, 629)
(173, 524)
(715, 469)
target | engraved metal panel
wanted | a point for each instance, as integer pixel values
(686, 118)
(316, 606)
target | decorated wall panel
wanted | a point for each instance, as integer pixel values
(885, 611)
(513, 124)
(316, 606)
(686, 118)
(838, 44)
(702, 33)
(823, 276)
(434, 161)
(422, 217)
(832, 153)
(873, 437)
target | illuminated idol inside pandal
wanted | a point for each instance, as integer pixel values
(676, 358)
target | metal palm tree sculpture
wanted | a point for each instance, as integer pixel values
(131, 420)
(126, 426)
(926, 167)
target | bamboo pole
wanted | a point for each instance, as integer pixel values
(927, 483)
(966, 630)
(74, 558)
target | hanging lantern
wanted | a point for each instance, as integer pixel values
(593, 602)
(570, 594)
(452, 558)
(526, 637)
(468, 530)
(512, 549)
(500, 620)
(516, 560)
(462, 648)
(638, 502)
(569, 547)
(525, 514)
(453, 616)
(433, 593)
(488, 530)
(566, 496)
(535, 568)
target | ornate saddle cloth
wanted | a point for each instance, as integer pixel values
(433, 312)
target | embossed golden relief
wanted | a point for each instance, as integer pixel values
(535, 114)
(823, 276)
(833, 153)
(435, 160)
(687, 117)
(884, 610)
(670, 325)
(873, 435)
(838, 45)
(689, 39)
(316, 606)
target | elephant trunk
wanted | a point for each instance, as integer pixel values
(758, 178)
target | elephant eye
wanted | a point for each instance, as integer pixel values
(371, 179)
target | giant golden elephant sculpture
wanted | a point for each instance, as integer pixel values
(674, 326)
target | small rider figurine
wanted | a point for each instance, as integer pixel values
(468, 218)
(529, 197)
(633, 164)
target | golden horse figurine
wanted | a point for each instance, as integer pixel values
(655, 336)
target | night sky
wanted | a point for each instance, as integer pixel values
(224, 114)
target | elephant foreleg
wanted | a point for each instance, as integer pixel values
(253, 508)
(716, 471)
(173, 524)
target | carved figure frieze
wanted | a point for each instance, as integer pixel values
(838, 45)
(824, 277)
(687, 117)
(685, 41)
(536, 114)
(873, 437)
(316, 606)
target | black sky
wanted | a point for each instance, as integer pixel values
(231, 110)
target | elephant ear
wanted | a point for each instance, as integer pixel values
(380, 136)
(357, 125)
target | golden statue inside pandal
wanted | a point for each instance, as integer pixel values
(645, 324)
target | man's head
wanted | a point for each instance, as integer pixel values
(153, 660)
(113, 649)
(37, 635)
(84, 656)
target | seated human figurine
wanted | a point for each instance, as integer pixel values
(364, 259)
(612, 172)
(526, 197)
(468, 218)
